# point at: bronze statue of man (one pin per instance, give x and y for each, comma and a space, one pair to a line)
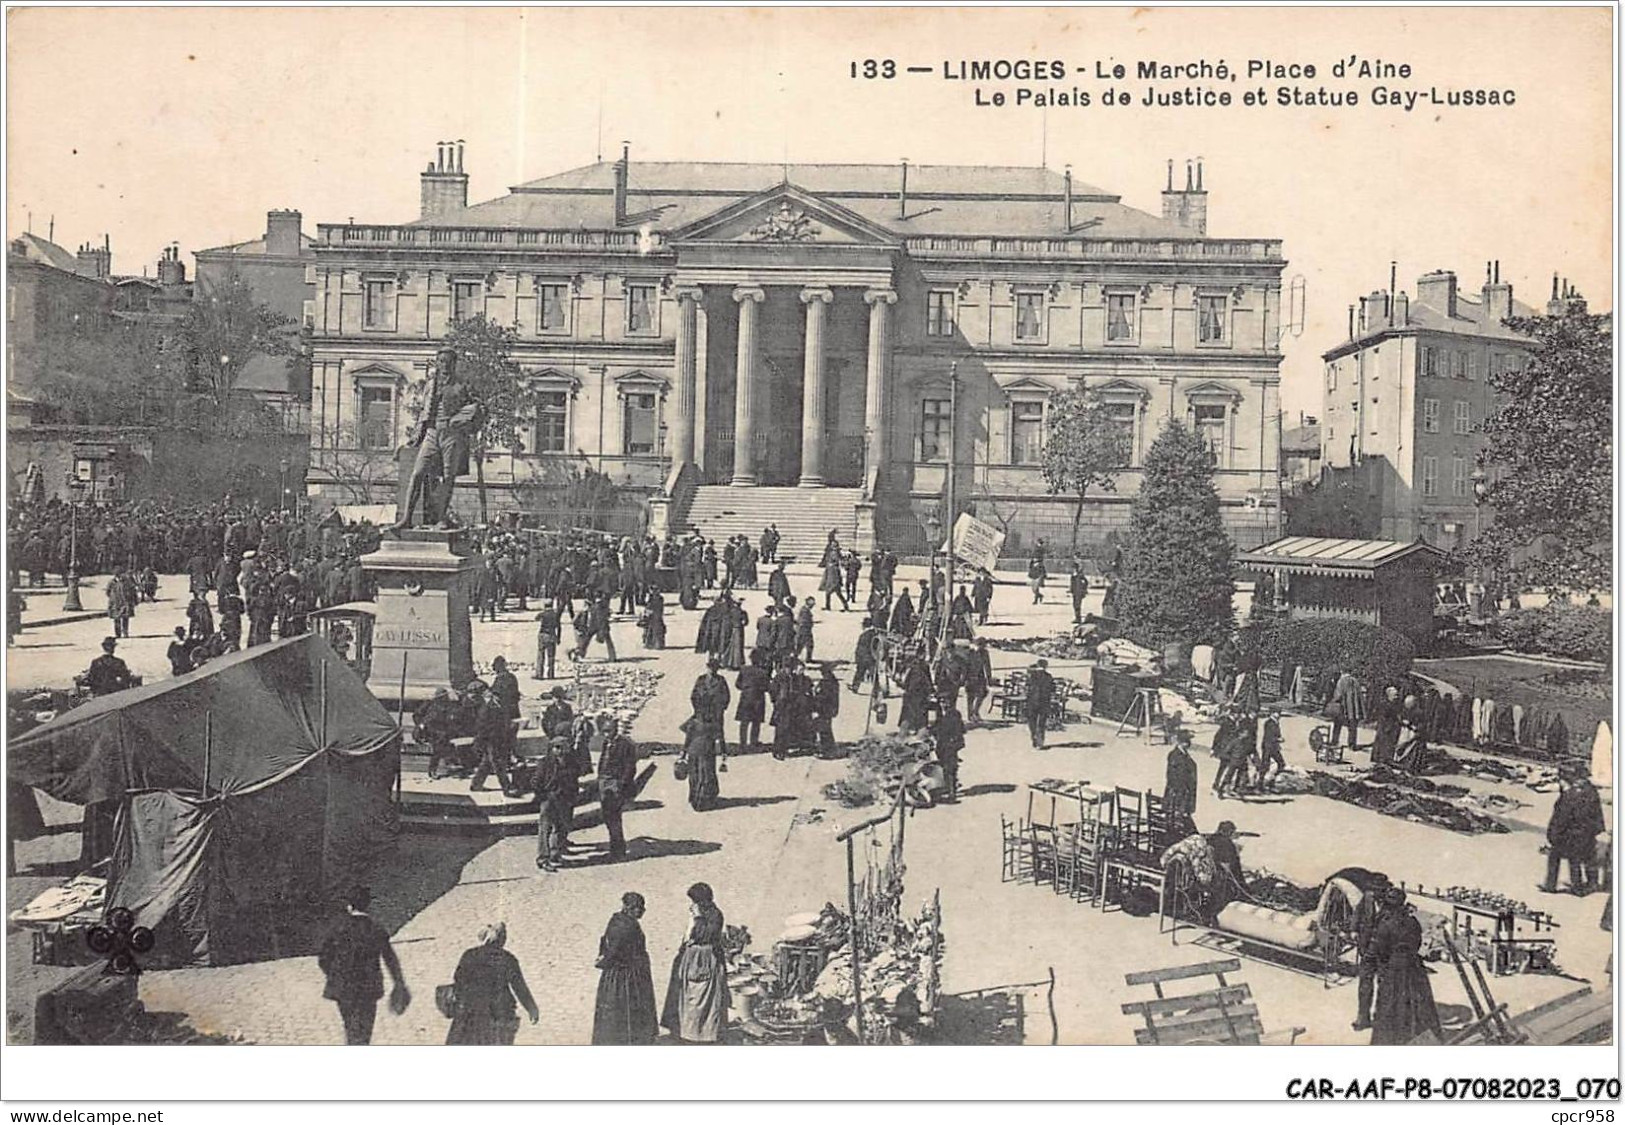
450, 420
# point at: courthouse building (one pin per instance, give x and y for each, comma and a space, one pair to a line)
767, 341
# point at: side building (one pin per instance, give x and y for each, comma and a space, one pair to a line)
721, 332
1406, 396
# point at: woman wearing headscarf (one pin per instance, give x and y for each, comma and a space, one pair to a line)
696, 1009
625, 1013
487, 984
1404, 1008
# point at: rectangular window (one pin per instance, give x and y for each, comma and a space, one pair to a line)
1458, 476
1429, 359
378, 304
640, 310
1026, 433
1029, 316
1430, 476
1209, 320
552, 308
1430, 415
1464, 419
939, 312
1124, 416
552, 421
1120, 316
467, 299
1211, 425
934, 423
1458, 365
377, 418
1472, 365
640, 428
1331, 376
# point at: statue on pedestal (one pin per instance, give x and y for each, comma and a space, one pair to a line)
451, 418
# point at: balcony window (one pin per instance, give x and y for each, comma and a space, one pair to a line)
935, 421
1120, 317
378, 304
467, 299
552, 308
640, 428
939, 312
1030, 317
640, 310
1026, 433
377, 413
1209, 320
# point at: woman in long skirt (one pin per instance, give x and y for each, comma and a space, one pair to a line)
626, 989
696, 1009
487, 984
1404, 1006
701, 754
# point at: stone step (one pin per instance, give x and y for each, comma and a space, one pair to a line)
804, 516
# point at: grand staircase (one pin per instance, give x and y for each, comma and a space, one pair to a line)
805, 516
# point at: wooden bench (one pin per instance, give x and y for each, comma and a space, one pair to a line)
1223, 1015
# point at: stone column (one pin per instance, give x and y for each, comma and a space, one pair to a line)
874, 424
745, 388
812, 389
682, 423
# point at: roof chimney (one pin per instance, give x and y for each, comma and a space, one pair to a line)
171, 270
1437, 290
902, 193
622, 168
1402, 309
282, 233
95, 261
444, 187
1497, 297
1188, 208
1068, 180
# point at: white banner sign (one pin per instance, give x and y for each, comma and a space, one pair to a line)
977, 543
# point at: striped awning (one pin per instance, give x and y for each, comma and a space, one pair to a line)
1342, 558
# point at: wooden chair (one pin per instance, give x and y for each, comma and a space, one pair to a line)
1223, 1015
1157, 824
1016, 854
1068, 851
1041, 851
1087, 861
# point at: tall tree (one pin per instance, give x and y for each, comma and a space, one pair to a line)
225, 329
1177, 582
1549, 457
1083, 448
485, 364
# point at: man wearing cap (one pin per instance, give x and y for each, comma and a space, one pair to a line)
1179, 788
491, 730
1040, 692
547, 643
432, 726
978, 679
559, 717
617, 772
1229, 882
948, 737
107, 673
804, 632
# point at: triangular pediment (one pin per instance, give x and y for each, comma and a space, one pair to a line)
786, 215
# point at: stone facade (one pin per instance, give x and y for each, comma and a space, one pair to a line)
665, 310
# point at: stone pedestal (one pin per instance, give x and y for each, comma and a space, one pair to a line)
424, 585
866, 519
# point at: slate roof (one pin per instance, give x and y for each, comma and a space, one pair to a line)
942, 199
257, 246
37, 249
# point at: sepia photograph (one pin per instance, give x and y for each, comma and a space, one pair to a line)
564, 527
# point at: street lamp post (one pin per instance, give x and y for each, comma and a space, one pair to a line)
953, 457
1480, 481
71, 603
282, 485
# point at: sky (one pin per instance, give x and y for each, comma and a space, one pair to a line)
186, 125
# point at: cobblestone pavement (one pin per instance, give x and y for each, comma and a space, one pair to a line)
771, 851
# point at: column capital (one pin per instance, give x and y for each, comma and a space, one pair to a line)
750, 293
817, 293
880, 296
689, 293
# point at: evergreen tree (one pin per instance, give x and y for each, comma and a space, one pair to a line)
1177, 583
1550, 458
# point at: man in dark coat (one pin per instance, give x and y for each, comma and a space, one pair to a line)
350, 959
1040, 693
492, 740
1078, 585
1229, 882
107, 673
547, 643
1179, 790
505, 687
826, 705
1572, 833
559, 717
180, 653
555, 785
917, 689
617, 772
434, 725
978, 679
1404, 1007
902, 615
1389, 717
948, 737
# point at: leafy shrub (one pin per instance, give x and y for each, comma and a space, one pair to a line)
1374, 654
1576, 632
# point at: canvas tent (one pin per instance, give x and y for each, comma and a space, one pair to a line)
250, 792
